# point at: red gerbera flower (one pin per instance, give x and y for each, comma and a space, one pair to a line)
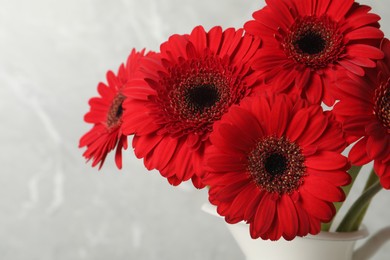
184, 90
106, 115
364, 110
275, 162
305, 41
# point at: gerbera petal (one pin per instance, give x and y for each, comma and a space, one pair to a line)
339, 178
363, 50
303, 220
297, 125
358, 154
198, 38
321, 7
166, 149
232, 37
382, 169
223, 164
338, 9
175, 47
118, 153
229, 192
303, 78
265, 214
145, 144
280, 114
314, 129
246, 123
304, 7
326, 160
364, 33
239, 204
362, 61
360, 20
214, 38
280, 7
316, 207
288, 218
106, 114
314, 92
376, 148
263, 18
352, 67
327, 192
355, 125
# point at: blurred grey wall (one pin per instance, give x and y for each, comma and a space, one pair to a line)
55, 206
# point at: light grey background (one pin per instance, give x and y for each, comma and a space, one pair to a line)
53, 205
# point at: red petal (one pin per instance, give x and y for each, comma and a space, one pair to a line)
358, 154
338, 178
314, 90
280, 116
145, 144
314, 129
283, 12
303, 78
288, 218
228, 193
303, 221
297, 125
364, 33
198, 38
316, 207
357, 21
228, 36
338, 9
376, 147
265, 214
364, 50
326, 160
352, 67
239, 204
322, 189
163, 152
214, 38
361, 61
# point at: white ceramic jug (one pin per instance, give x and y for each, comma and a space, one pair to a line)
324, 246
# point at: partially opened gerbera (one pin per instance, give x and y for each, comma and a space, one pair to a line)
364, 109
106, 115
240, 111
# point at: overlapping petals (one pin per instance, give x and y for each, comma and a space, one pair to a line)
106, 115
306, 41
271, 164
364, 110
182, 91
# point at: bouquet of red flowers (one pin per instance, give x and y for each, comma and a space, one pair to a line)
242, 112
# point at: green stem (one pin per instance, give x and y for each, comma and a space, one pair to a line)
353, 172
372, 179
358, 209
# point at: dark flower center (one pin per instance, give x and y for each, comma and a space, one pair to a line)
201, 97
196, 93
119, 111
313, 41
382, 104
277, 165
115, 112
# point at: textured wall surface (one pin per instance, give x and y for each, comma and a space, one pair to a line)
53, 205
